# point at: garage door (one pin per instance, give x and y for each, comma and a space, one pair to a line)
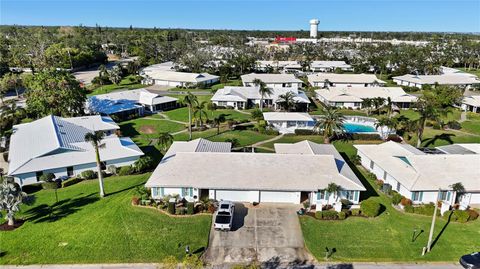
279, 197
237, 196
161, 82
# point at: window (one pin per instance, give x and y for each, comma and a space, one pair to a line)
357, 104
154, 191
321, 195
398, 186
38, 175
70, 171
444, 196
417, 196
349, 195
187, 192
372, 164
222, 103
338, 104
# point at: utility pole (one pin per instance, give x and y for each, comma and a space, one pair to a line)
430, 236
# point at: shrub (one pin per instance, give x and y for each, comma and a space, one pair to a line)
355, 212
257, 114
363, 136
135, 200
394, 138
408, 208
329, 215
180, 210
31, 188
427, 209
455, 125
125, 170
396, 198
461, 215
47, 177
371, 176
436, 126
88, 174
304, 132
171, 208
143, 164
318, 214
190, 208
342, 215
370, 208
112, 169
50, 185
473, 215
405, 201
379, 183
71, 181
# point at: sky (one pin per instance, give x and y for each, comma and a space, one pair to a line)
337, 15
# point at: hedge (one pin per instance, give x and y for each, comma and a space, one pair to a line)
396, 198
71, 181
356, 212
363, 136
88, 174
171, 208
126, 170
326, 215
461, 215
190, 208
50, 185
370, 208
305, 132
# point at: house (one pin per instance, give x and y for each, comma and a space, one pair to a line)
422, 177
288, 122
451, 79
344, 80
352, 97
130, 102
315, 66
330, 66
57, 145
471, 103
283, 177
273, 80
177, 79
247, 97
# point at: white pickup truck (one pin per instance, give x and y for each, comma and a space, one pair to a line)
224, 216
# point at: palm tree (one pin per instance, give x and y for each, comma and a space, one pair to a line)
330, 123
115, 75
212, 107
103, 72
457, 188
381, 122
428, 110
165, 139
334, 189
199, 112
388, 107
378, 102
287, 101
218, 120
367, 103
263, 90
11, 197
95, 139
189, 100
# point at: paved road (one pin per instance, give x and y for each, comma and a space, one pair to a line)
265, 233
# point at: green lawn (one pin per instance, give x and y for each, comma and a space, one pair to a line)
244, 137
124, 84
471, 71
85, 229
389, 82
181, 114
387, 238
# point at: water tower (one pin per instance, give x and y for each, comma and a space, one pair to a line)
314, 27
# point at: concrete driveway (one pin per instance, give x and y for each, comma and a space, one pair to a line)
267, 233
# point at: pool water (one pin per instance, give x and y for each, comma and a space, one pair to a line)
358, 128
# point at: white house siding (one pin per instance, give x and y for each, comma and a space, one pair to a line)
475, 199
123, 161
279, 197
25, 179
236, 195
159, 192
323, 198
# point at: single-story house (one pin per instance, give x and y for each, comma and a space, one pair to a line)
344, 80
288, 122
461, 148
315, 66
246, 97
352, 97
273, 80
471, 103
251, 177
178, 79
452, 79
422, 177
57, 145
329, 66
129, 102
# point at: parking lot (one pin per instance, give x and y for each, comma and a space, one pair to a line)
267, 233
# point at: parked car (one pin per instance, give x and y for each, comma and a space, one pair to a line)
224, 216
471, 261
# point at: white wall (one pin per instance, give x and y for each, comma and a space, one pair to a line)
330, 199
236, 196
123, 161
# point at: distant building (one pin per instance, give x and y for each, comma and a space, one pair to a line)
352, 97
315, 66
130, 102
247, 97
471, 103
57, 145
273, 80
288, 122
164, 75
452, 79
344, 80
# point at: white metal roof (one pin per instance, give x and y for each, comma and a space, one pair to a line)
250, 171
271, 78
424, 172
446, 79
357, 94
344, 78
462, 148
180, 76
287, 116
197, 145
242, 94
53, 142
473, 100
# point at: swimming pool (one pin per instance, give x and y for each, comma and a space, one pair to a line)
358, 128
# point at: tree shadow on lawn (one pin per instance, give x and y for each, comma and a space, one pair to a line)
128, 129
370, 192
443, 137
59, 210
153, 152
125, 189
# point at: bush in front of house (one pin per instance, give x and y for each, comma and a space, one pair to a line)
426, 209
305, 132
408, 208
180, 210
143, 164
190, 208
370, 208
135, 200
405, 201
461, 215
455, 125
342, 215
396, 198
71, 181
112, 169
126, 170
171, 208
371, 176
88, 174
326, 215
356, 212
47, 177
363, 136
